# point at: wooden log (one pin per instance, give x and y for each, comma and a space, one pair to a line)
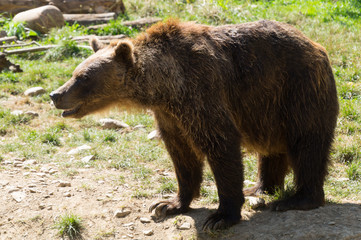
139, 23
104, 39
88, 19
37, 49
7, 39
32, 49
19, 45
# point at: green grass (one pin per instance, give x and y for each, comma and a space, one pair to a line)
69, 225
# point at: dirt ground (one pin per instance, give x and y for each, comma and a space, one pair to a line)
41, 199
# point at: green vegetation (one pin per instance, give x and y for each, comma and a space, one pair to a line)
69, 225
334, 24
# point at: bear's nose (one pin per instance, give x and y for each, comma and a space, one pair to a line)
54, 96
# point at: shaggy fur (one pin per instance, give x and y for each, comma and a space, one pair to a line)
261, 85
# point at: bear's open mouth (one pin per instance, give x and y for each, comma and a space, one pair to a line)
70, 112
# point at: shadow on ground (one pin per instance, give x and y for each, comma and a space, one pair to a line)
333, 221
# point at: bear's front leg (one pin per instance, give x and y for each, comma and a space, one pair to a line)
220, 140
228, 172
188, 167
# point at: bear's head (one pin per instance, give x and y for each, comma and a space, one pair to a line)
98, 82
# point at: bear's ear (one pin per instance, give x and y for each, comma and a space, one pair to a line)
124, 51
95, 44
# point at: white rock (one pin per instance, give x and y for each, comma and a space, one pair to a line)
185, 226
18, 196
153, 135
87, 158
35, 91
17, 112
3, 183
52, 171
128, 224
148, 232
121, 213
79, 149
67, 194
30, 162
256, 202
12, 189
144, 220
109, 123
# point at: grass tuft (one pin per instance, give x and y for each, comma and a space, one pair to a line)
69, 225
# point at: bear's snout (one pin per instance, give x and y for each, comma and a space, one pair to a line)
55, 96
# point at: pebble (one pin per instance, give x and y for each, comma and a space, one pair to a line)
87, 158
121, 213
144, 220
148, 232
331, 223
153, 135
64, 184
52, 171
18, 196
17, 112
30, 162
67, 194
109, 123
26, 174
79, 149
32, 190
185, 226
12, 189
35, 91
256, 202
41, 174
41, 206
128, 224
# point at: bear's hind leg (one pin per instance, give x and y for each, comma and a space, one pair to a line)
309, 157
272, 170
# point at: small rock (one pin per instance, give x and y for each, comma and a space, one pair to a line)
109, 123
50, 208
30, 162
25, 174
185, 226
67, 194
248, 182
52, 171
121, 213
31, 185
108, 195
3, 183
144, 220
64, 184
256, 202
79, 149
87, 158
41, 175
331, 223
42, 206
153, 135
32, 114
32, 190
17, 112
18, 196
35, 91
148, 232
128, 224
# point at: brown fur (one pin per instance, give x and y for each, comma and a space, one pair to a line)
262, 85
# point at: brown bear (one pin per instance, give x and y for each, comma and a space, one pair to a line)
261, 85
